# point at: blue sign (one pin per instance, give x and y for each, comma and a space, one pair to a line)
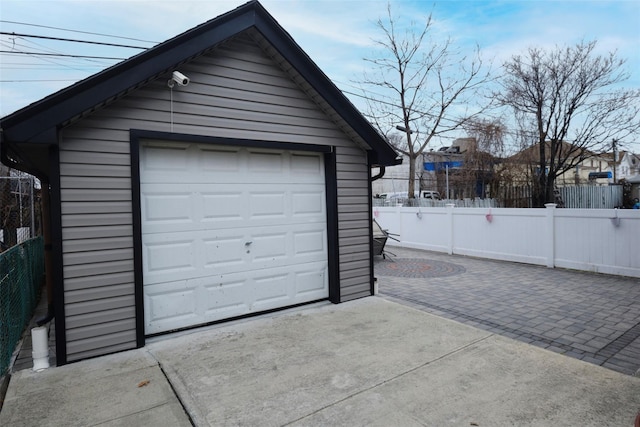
596, 175
440, 166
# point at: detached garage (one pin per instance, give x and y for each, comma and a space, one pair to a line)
174, 206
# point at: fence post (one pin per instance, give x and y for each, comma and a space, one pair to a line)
400, 223
550, 234
450, 207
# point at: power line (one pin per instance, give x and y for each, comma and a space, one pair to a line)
78, 31
61, 55
38, 81
370, 98
71, 40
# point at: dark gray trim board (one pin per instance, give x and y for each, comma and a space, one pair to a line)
333, 247
55, 209
137, 236
137, 136
371, 179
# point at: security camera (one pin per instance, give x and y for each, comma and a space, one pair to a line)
179, 78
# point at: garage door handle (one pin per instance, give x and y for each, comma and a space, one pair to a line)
248, 243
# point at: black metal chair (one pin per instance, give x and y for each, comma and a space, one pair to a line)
380, 237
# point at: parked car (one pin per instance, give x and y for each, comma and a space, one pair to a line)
423, 194
430, 194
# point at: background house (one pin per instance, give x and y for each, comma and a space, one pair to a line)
587, 167
628, 167
454, 170
175, 205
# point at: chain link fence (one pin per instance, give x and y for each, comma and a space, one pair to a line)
21, 275
19, 208
21, 257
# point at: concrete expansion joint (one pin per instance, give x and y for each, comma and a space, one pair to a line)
173, 388
395, 377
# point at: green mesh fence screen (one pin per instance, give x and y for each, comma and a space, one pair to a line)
21, 273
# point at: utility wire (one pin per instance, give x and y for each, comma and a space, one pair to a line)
392, 104
38, 81
70, 40
78, 31
61, 55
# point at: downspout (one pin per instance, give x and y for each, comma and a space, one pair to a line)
48, 248
379, 175
374, 280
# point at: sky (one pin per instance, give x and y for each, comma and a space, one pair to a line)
336, 34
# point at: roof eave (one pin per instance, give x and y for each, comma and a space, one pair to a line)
385, 155
40, 117
37, 122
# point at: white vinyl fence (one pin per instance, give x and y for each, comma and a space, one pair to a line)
598, 240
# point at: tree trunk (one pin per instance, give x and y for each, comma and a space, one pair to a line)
549, 196
412, 174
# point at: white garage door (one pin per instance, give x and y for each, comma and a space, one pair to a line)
228, 231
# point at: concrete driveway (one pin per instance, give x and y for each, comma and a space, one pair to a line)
369, 362
587, 316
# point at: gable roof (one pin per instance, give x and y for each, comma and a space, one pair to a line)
567, 150
37, 124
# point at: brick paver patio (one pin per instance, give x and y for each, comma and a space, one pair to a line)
592, 317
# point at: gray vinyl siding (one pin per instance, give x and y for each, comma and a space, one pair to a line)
236, 91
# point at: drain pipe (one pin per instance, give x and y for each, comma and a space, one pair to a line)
40, 343
379, 175
48, 255
373, 178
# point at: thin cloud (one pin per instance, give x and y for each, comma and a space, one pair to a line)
337, 35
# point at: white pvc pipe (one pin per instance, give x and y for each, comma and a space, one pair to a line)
40, 353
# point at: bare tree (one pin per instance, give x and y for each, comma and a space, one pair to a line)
488, 134
432, 86
568, 103
482, 161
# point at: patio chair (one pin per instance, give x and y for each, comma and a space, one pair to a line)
380, 237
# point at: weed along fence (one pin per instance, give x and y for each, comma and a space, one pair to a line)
598, 240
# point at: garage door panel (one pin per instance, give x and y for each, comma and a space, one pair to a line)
168, 256
268, 246
311, 284
193, 254
228, 231
163, 160
171, 300
180, 304
169, 206
271, 290
308, 203
223, 206
306, 166
225, 251
259, 221
266, 163
299, 283
267, 205
309, 242
218, 160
